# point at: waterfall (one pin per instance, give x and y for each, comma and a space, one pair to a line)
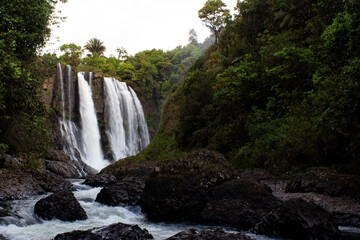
92, 153
69, 130
126, 129
126, 126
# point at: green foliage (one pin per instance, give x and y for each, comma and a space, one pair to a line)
94, 45
33, 161
72, 54
280, 90
24, 28
215, 16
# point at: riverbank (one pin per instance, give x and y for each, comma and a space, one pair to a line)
19, 182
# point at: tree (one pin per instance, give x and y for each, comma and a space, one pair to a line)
24, 28
72, 54
122, 53
215, 16
94, 45
193, 38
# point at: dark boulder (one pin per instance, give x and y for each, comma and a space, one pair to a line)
346, 219
100, 180
18, 182
123, 193
62, 205
326, 182
178, 188
112, 232
173, 197
239, 203
51, 182
192, 234
2, 237
63, 169
298, 219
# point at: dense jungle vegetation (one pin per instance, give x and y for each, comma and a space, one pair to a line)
24, 28
277, 89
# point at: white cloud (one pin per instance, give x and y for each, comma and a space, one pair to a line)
136, 25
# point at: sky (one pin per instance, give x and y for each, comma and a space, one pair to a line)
136, 25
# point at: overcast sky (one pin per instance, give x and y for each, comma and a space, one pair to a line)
136, 25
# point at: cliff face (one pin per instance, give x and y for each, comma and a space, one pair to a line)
97, 88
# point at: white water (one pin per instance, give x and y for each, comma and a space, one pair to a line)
69, 131
92, 153
126, 126
29, 227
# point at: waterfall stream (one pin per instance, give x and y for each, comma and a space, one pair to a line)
126, 127
92, 154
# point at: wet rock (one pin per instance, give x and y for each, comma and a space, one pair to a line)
2, 237
61, 205
112, 232
123, 193
123, 185
178, 188
63, 169
192, 234
51, 182
297, 219
18, 184
239, 203
100, 180
346, 219
58, 155
326, 182
173, 197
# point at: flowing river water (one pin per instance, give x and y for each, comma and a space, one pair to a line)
25, 225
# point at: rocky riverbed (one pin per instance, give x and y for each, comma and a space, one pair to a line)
203, 188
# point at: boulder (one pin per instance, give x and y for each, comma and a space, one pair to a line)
51, 182
192, 234
112, 232
178, 188
239, 203
346, 219
100, 180
326, 182
2, 237
62, 205
298, 219
123, 193
18, 184
123, 185
63, 169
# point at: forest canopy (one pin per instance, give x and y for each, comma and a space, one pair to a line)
280, 89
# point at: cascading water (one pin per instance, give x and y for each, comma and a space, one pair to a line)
69, 130
126, 126
92, 153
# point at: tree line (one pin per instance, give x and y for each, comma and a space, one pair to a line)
279, 88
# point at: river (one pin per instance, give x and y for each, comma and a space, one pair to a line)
25, 225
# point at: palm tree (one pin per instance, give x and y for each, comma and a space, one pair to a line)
94, 45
